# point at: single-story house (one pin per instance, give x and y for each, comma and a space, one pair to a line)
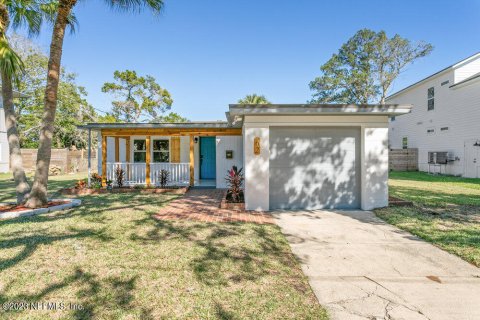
295, 156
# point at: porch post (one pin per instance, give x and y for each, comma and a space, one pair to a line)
127, 149
104, 160
147, 161
192, 176
117, 149
89, 155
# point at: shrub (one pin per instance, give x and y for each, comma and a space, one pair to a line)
162, 177
234, 181
120, 176
81, 184
95, 177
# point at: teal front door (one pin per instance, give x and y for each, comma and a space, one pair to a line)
207, 158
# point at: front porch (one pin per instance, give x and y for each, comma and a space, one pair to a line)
188, 152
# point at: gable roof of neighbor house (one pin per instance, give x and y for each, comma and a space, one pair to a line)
450, 67
237, 111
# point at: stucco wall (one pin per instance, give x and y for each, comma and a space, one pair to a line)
373, 155
224, 143
374, 164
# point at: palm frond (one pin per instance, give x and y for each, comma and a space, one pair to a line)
10, 62
26, 13
136, 5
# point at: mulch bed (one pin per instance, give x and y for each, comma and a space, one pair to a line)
82, 192
15, 207
397, 202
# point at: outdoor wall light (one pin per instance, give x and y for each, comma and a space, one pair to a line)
195, 139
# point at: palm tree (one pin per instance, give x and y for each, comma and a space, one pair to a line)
254, 99
26, 13
38, 194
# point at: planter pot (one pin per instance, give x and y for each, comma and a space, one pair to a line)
225, 204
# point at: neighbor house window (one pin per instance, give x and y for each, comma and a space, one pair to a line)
139, 151
404, 142
431, 98
161, 151
392, 118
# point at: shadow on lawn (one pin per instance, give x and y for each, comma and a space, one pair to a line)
91, 291
226, 256
228, 253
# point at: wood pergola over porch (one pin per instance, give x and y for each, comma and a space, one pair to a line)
180, 173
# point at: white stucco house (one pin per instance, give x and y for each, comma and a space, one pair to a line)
445, 118
294, 156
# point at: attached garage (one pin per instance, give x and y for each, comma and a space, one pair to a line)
315, 156
314, 168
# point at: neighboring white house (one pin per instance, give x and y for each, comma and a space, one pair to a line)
294, 156
4, 150
445, 118
4, 154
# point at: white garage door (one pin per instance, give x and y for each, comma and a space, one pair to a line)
314, 167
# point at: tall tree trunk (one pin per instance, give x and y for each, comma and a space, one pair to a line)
22, 187
38, 195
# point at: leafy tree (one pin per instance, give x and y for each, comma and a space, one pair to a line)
73, 109
172, 117
365, 67
141, 97
25, 13
254, 99
63, 18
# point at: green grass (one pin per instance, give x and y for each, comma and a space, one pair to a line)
115, 260
446, 211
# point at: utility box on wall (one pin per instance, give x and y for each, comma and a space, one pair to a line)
229, 154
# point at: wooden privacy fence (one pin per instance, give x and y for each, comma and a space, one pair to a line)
403, 159
66, 160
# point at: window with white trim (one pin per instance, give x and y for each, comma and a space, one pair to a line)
404, 142
161, 150
139, 150
431, 98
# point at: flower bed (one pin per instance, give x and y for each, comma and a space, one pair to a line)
86, 191
12, 210
227, 203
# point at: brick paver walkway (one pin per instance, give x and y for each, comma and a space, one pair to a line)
203, 205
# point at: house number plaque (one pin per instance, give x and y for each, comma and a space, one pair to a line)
256, 146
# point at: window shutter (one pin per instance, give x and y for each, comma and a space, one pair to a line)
175, 147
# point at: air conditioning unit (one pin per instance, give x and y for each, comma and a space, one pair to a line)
440, 157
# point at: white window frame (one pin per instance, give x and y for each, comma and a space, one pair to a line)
139, 151
167, 151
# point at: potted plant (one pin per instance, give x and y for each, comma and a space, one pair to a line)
234, 198
109, 184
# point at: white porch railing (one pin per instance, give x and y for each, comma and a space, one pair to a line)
135, 173
179, 173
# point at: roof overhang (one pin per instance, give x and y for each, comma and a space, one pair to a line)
238, 111
140, 126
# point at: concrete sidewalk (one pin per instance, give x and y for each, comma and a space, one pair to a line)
363, 268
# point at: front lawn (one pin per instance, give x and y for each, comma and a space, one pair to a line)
446, 211
111, 257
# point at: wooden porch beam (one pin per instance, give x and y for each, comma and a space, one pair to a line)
147, 161
104, 160
173, 132
127, 149
192, 161
117, 149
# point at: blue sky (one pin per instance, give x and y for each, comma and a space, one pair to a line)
211, 53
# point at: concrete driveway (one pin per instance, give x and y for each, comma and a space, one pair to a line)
363, 268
